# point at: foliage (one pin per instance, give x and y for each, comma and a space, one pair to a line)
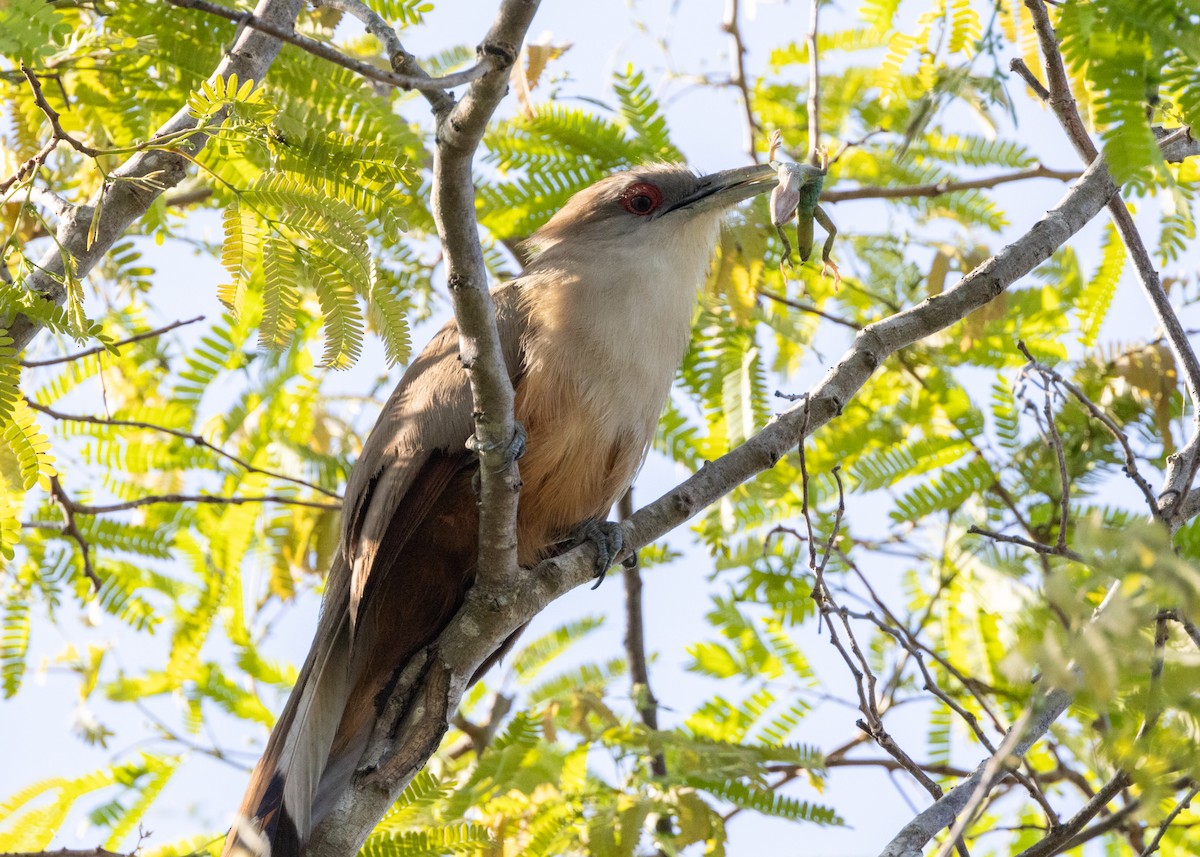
317, 184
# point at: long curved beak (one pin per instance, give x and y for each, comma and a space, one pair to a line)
727, 188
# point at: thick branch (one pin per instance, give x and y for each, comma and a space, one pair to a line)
427, 691
135, 185
453, 203
910, 841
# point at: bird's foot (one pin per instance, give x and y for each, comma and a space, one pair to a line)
606, 537
514, 451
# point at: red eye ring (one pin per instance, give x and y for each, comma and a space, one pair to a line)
641, 199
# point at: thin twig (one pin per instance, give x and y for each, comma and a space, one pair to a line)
1023, 71
1183, 804
59, 133
67, 852
1048, 550
70, 528
1181, 468
814, 88
991, 772
635, 652
149, 334
1053, 842
325, 52
1057, 445
737, 75
194, 439
1188, 626
1131, 469
215, 499
809, 308
1154, 695
946, 186
401, 61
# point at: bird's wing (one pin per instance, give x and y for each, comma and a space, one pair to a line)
417, 445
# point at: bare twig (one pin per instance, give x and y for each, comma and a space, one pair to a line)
194, 439
481, 734
214, 499
992, 770
814, 87
635, 652
1131, 468
59, 134
1053, 843
1017, 65
1056, 444
67, 852
737, 75
149, 334
946, 186
1184, 803
69, 528
1154, 696
1188, 626
809, 308
1048, 550
325, 52
851, 652
402, 62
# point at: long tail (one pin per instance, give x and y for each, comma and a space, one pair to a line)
275, 816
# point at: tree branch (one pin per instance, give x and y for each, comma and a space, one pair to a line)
943, 187
182, 435
737, 74
814, 87
149, 334
415, 716
1181, 467
428, 690
136, 184
635, 653
69, 528
333, 55
215, 499
402, 62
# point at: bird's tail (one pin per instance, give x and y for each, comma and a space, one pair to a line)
276, 814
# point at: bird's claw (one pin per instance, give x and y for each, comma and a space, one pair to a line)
512, 453
608, 539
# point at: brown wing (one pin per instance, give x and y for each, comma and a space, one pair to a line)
414, 463
398, 477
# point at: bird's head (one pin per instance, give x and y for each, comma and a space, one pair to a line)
660, 208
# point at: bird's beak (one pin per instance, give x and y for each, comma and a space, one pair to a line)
726, 188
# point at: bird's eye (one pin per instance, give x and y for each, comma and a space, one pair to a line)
641, 199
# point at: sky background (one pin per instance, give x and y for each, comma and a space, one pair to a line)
707, 125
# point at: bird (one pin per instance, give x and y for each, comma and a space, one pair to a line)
592, 333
